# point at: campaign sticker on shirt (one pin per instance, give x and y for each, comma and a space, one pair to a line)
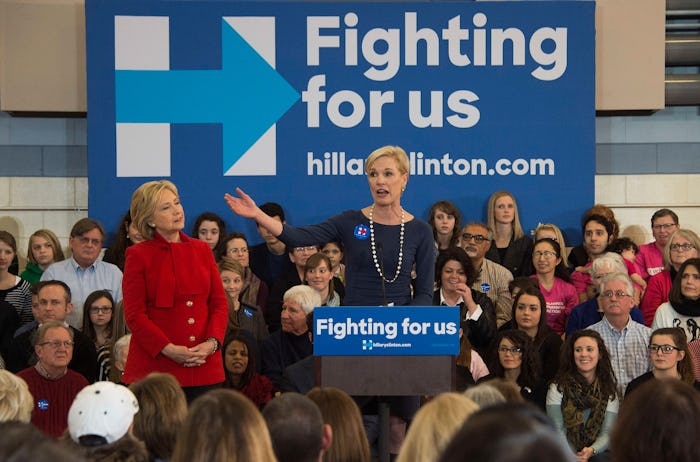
248, 312
361, 232
485, 286
42, 404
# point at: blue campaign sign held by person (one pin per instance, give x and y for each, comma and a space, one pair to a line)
285, 100
386, 331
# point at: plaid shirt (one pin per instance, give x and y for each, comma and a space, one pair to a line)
628, 350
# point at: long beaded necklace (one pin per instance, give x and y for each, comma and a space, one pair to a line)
374, 249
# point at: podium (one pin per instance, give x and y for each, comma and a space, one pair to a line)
425, 338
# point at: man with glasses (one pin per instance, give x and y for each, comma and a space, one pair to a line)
52, 384
650, 256
625, 339
590, 312
53, 305
492, 278
83, 272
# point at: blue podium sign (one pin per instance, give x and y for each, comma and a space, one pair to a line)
386, 331
286, 100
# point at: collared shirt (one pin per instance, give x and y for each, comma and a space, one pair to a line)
473, 317
493, 280
628, 350
82, 282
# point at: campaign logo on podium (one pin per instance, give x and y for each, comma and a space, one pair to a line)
386, 331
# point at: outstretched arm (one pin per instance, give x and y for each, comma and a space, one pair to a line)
245, 206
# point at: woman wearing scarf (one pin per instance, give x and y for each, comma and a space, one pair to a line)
583, 401
683, 306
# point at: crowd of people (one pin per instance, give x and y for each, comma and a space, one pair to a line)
200, 347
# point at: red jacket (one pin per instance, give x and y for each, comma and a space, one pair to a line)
172, 294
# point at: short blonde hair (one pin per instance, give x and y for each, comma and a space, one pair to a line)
228, 264
394, 152
434, 426
682, 232
143, 204
55, 244
16, 402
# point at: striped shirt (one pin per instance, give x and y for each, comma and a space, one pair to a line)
628, 350
20, 297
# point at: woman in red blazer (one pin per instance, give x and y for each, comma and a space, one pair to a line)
174, 301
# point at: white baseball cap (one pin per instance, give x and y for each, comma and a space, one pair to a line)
104, 411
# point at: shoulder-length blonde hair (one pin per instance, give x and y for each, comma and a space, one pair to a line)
16, 402
53, 240
434, 426
223, 426
342, 414
517, 228
686, 233
143, 204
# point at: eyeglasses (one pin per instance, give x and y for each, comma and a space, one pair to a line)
478, 238
241, 251
86, 240
617, 293
681, 247
665, 226
667, 349
546, 254
308, 248
100, 309
515, 351
58, 343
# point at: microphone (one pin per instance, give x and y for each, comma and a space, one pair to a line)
381, 268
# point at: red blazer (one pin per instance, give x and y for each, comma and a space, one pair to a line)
172, 294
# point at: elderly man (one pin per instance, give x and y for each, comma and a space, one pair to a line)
292, 343
53, 304
625, 339
83, 272
650, 257
296, 429
590, 311
492, 278
50, 382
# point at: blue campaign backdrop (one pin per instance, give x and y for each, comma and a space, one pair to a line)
286, 99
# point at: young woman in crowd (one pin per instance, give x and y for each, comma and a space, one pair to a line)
223, 426
210, 228
162, 411
454, 274
683, 306
43, 250
241, 315
103, 324
255, 291
670, 359
13, 289
516, 360
553, 280
510, 247
528, 316
239, 361
550, 231
126, 236
334, 252
319, 276
446, 221
582, 401
682, 245
338, 410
